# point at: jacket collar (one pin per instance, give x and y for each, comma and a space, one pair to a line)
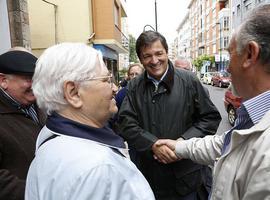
168, 80
6, 107
65, 126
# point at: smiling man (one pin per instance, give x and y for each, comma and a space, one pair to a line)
165, 103
20, 121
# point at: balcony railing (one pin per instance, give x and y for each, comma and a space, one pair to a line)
122, 38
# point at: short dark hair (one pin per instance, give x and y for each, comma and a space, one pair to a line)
147, 38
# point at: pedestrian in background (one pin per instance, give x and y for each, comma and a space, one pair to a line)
133, 71
20, 121
241, 156
165, 103
182, 63
78, 157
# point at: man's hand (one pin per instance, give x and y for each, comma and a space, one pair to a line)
163, 153
169, 143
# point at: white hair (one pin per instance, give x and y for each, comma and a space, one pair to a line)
59, 63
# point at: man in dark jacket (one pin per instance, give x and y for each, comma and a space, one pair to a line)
165, 102
20, 121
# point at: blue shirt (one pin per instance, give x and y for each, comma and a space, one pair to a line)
249, 114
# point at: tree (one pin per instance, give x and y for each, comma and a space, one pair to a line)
132, 50
198, 62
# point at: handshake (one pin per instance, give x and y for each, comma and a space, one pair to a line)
164, 150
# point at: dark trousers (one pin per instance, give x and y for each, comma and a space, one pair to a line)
191, 196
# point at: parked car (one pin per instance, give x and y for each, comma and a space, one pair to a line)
207, 77
231, 103
221, 79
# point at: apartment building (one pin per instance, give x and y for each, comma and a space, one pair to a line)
183, 38
208, 26
205, 30
240, 8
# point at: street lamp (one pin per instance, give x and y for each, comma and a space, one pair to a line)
156, 14
220, 43
147, 25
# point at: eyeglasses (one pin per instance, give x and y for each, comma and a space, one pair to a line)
108, 79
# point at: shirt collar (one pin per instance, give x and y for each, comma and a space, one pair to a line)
155, 81
258, 106
65, 126
167, 78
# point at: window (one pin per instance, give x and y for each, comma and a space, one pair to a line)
226, 23
238, 11
248, 6
116, 15
214, 32
214, 48
225, 42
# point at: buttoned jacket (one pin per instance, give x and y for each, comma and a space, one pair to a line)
178, 107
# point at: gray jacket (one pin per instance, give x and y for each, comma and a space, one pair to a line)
242, 172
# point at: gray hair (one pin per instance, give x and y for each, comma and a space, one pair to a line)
256, 28
59, 63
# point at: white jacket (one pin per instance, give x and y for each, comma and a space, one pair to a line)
70, 168
243, 172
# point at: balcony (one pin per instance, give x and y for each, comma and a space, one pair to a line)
107, 25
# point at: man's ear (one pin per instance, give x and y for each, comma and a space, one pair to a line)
71, 94
3, 81
251, 54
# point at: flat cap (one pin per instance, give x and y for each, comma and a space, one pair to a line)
17, 62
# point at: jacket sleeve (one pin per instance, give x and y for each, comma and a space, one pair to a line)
128, 126
201, 150
11, 187
206, 117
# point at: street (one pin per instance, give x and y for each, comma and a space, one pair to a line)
217, 96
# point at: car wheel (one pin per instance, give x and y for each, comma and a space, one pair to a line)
231, 115
220, 84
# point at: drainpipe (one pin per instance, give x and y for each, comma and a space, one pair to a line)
55, 21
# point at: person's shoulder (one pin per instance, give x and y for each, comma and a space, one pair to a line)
136, 82
186, 76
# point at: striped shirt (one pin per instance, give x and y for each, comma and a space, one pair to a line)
29, 110
249, 114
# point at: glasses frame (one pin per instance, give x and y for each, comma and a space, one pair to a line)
109, 77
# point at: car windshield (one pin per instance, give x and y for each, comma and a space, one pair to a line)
224, 74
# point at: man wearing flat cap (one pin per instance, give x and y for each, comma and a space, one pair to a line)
20, 121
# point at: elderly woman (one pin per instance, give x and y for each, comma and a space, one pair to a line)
77, 156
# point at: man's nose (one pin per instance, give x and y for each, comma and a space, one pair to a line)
114, 88
154, 60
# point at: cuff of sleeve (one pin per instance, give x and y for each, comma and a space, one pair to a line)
181, 149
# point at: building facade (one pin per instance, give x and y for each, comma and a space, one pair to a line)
183, 38
205, 31
95, 22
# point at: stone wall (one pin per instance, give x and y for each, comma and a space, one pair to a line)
19, 23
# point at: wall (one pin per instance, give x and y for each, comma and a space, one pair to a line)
4, 28
73, 22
